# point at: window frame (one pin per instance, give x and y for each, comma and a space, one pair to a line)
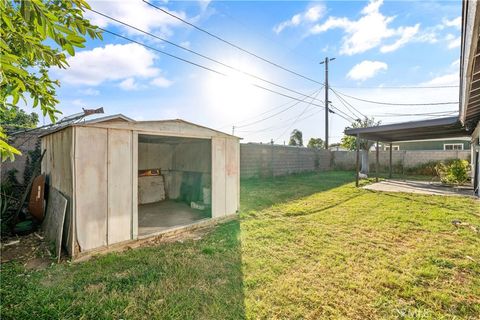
453, 146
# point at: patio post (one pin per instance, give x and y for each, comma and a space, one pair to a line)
376, 164
357, 166
390, 163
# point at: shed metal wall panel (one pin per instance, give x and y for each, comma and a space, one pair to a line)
91, 193
218, 177
119, 185
57, 166
232, 174
134, 185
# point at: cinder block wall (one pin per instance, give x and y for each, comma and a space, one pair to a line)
345, 160
264, 160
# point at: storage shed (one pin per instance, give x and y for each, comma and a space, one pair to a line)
126, 180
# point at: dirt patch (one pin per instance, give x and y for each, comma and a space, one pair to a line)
30, 250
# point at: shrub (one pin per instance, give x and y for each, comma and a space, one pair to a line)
453, 171
425, 169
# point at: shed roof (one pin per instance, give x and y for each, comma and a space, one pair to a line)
414, 130
172, 127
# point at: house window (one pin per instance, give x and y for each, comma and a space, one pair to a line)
453, 146
394, 147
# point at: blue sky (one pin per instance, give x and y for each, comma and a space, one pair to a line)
377, 45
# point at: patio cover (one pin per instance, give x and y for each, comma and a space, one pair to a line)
414, 130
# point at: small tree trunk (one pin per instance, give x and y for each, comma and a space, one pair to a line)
365, 165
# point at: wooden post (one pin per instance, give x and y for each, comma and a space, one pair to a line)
357, 166
390, 163
376, 164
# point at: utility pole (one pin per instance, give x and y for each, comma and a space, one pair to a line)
327, 109
233, 130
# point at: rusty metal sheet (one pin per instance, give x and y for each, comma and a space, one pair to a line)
37, 202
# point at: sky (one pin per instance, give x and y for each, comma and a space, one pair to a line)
383, 50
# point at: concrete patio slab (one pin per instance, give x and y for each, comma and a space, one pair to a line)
420, 187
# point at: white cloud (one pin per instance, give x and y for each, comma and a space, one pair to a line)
112, 62
136, 13
89, 92
311, 14
369, 31
452, 41
78, 103
455, 23
366, 69
406, 35
451, 79
128, 84
161, 82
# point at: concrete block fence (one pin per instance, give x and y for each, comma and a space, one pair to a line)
265, 160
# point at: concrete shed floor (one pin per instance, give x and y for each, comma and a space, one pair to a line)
420, 187
163, 215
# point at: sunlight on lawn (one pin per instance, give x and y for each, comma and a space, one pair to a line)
307, 246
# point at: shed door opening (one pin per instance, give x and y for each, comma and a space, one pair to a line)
174, 182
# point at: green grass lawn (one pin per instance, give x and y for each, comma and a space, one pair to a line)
306, 247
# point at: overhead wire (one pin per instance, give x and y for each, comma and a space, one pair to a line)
196, 53
198, 65
401, 87
281, 111
297, 119
261, 114
348, 105
396, 104
231, 44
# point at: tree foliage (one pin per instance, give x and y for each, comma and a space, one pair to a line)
36, 35
350, 142
316, 143
296, 138
14, 118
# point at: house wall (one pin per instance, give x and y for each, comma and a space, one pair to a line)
429, 144
57, 165
475, 154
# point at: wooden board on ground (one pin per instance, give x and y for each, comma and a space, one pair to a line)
54, 219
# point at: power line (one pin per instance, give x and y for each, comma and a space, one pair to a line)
279, 126
199, 65
397, 104
401, 87
197, 53
281, 111
346, 104
342, 114
231, 44
295, 121
261, 114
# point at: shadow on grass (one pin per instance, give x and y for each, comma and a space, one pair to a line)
199, 279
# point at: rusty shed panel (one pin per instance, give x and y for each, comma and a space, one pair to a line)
57, 165
218, 177
119, 185
91, 145
232, 176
